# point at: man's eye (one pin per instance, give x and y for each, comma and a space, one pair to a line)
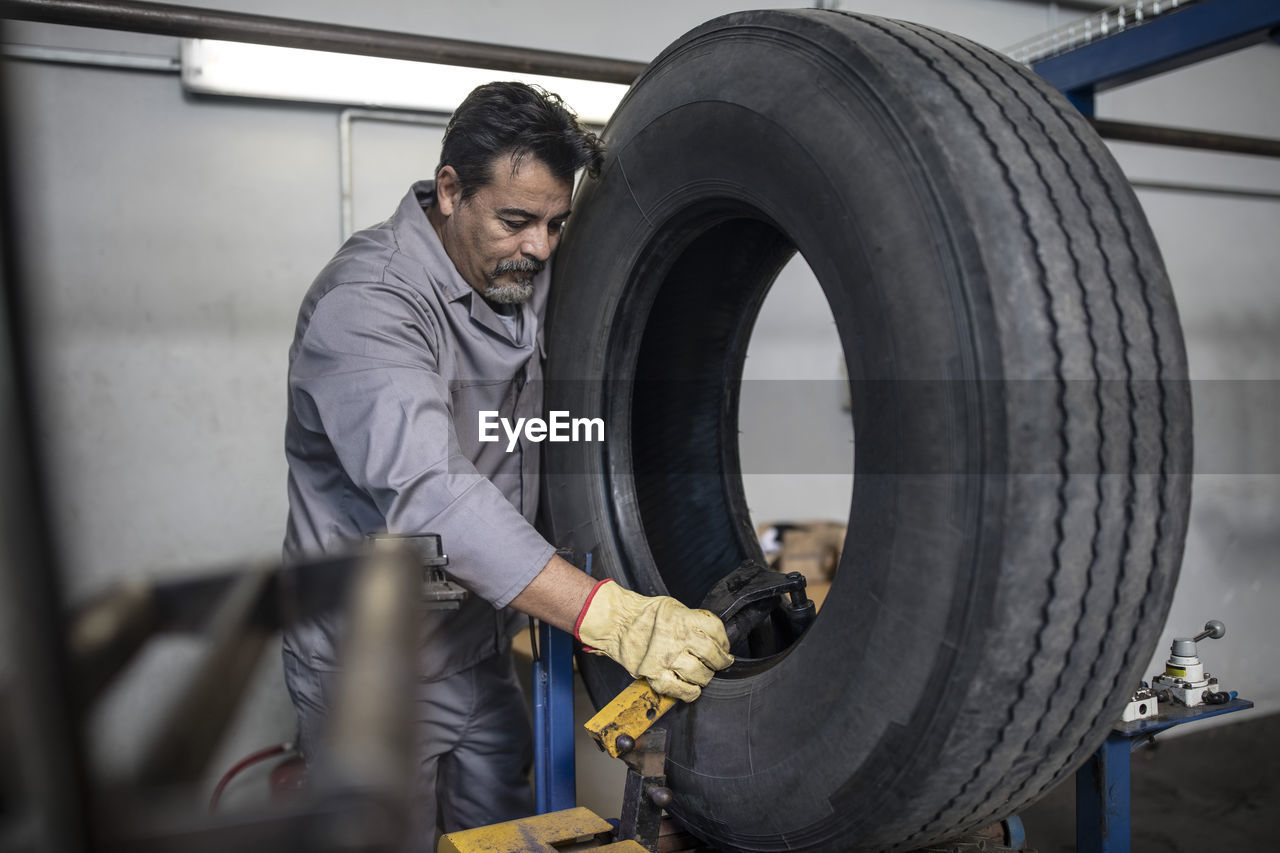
513, 224
555, 227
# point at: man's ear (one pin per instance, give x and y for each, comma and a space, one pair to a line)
448, 190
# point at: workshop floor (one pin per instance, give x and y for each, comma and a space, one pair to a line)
1209, 790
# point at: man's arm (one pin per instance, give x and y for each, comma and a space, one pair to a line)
556, 595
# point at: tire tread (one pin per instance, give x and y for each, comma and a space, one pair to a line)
984, 795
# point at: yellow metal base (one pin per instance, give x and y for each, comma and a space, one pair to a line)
566, 831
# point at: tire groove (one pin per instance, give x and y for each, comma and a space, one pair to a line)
973, 811
990, 60
1127, 502
1063, 438
1161, 490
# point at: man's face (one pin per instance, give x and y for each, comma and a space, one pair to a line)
504, 234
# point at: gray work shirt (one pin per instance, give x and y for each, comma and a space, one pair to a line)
393, 358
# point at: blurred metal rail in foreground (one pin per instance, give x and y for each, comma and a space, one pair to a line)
358, 798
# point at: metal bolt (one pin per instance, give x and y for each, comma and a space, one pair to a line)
624, 744
659, 796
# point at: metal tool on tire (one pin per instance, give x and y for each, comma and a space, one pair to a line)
743, 599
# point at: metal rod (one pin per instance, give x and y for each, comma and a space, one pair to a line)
1155, 134
92, 58
105, 635
279, 827
188, 605
188, 22
237, 633
49, 765
1206, 189
369, 736
346, 178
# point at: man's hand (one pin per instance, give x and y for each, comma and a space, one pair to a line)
657, 638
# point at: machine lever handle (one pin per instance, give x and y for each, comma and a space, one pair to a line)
1214, 629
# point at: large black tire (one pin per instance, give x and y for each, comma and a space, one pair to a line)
1021, 418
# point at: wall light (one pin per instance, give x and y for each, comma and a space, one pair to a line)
262, 71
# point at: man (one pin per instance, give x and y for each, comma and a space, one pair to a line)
415, 326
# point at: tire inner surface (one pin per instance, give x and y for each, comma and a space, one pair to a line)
683, 423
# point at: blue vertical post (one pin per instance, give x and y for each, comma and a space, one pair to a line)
1102, 798
555, 784
540, 768
556, 789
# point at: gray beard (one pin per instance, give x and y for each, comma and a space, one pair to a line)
509, 294
520, 290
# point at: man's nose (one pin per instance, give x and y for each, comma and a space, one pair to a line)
536, 244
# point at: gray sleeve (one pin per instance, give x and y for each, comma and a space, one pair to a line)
364, 375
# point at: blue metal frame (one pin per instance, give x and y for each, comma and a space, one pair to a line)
554, 774
1197, 32
1102, 783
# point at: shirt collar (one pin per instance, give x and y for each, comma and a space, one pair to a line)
419, 240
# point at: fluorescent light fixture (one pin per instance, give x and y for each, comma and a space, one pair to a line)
286, 73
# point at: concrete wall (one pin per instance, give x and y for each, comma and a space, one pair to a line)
170, 238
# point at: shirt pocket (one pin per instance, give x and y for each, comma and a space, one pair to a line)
468, 400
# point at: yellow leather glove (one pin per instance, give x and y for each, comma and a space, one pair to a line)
657, 638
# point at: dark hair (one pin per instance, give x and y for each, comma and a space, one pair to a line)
499, 119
